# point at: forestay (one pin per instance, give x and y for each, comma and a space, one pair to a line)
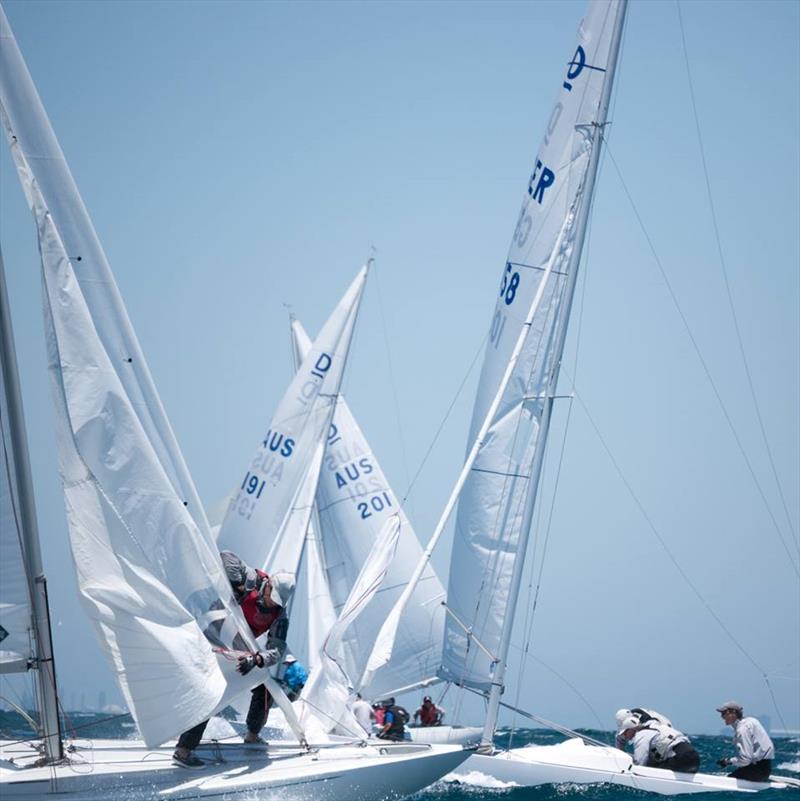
354, 501
267, 519
492, 503
148, 570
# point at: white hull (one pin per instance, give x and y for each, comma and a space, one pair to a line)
445, 735
576, 762
116, 769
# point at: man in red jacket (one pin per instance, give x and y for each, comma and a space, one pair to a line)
263, 599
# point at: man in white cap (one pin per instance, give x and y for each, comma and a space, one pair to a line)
658, 745
643, 716
294, 677
754, 749
263, 599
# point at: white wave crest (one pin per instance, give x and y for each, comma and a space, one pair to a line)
475, 778
794, 767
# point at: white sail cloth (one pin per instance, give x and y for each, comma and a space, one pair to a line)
491, 505
148, 571
16, 636
354, 500
267, 519
327, 695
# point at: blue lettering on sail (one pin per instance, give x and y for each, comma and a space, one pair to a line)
542, 177
576, 67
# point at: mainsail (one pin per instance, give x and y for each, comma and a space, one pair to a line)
267, 519
354, 501
539, 273
148, 570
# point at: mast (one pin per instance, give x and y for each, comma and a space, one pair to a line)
580, 232
32, 557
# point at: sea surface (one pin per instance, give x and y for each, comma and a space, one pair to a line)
711, 748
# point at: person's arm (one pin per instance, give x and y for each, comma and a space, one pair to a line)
641, 747
388, 719
440, 715
417, 715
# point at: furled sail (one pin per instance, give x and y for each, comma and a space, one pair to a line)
148, 570
354, 501
267, 519
535, 291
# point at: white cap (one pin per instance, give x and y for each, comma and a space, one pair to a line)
630, 722
288, 659
282, 587
620, 715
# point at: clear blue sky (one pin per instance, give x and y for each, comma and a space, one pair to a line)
236, 157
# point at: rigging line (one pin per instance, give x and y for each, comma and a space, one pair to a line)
478, 352
702, 361
728, 292
669, 553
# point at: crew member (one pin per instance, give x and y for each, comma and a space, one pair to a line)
263, 599
429, 714
754, 749
658, 745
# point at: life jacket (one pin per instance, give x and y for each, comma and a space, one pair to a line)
397, 729
662, 746
258, 621
428, 715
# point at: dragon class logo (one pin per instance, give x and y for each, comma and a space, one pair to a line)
577, 66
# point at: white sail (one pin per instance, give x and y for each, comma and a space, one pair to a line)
321, 614
354, 500
148, 571
267, 519
16, 632
492, 505
330, 689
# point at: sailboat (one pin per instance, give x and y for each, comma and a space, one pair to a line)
148, 569
496, 490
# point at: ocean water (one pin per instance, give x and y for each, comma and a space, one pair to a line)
711, 748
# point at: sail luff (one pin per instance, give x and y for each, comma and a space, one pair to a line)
584, 198
29, 533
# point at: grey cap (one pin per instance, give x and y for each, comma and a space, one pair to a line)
238, 572
734, 705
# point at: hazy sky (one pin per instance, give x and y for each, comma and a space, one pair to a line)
238, 157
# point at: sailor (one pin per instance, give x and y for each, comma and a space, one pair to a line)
394, 721
263, 599
643, 716
754, 749
658, 745
429, 714
294, 678
363, 713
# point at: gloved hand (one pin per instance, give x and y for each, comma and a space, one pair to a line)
247, 663
724, 762
270, 657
